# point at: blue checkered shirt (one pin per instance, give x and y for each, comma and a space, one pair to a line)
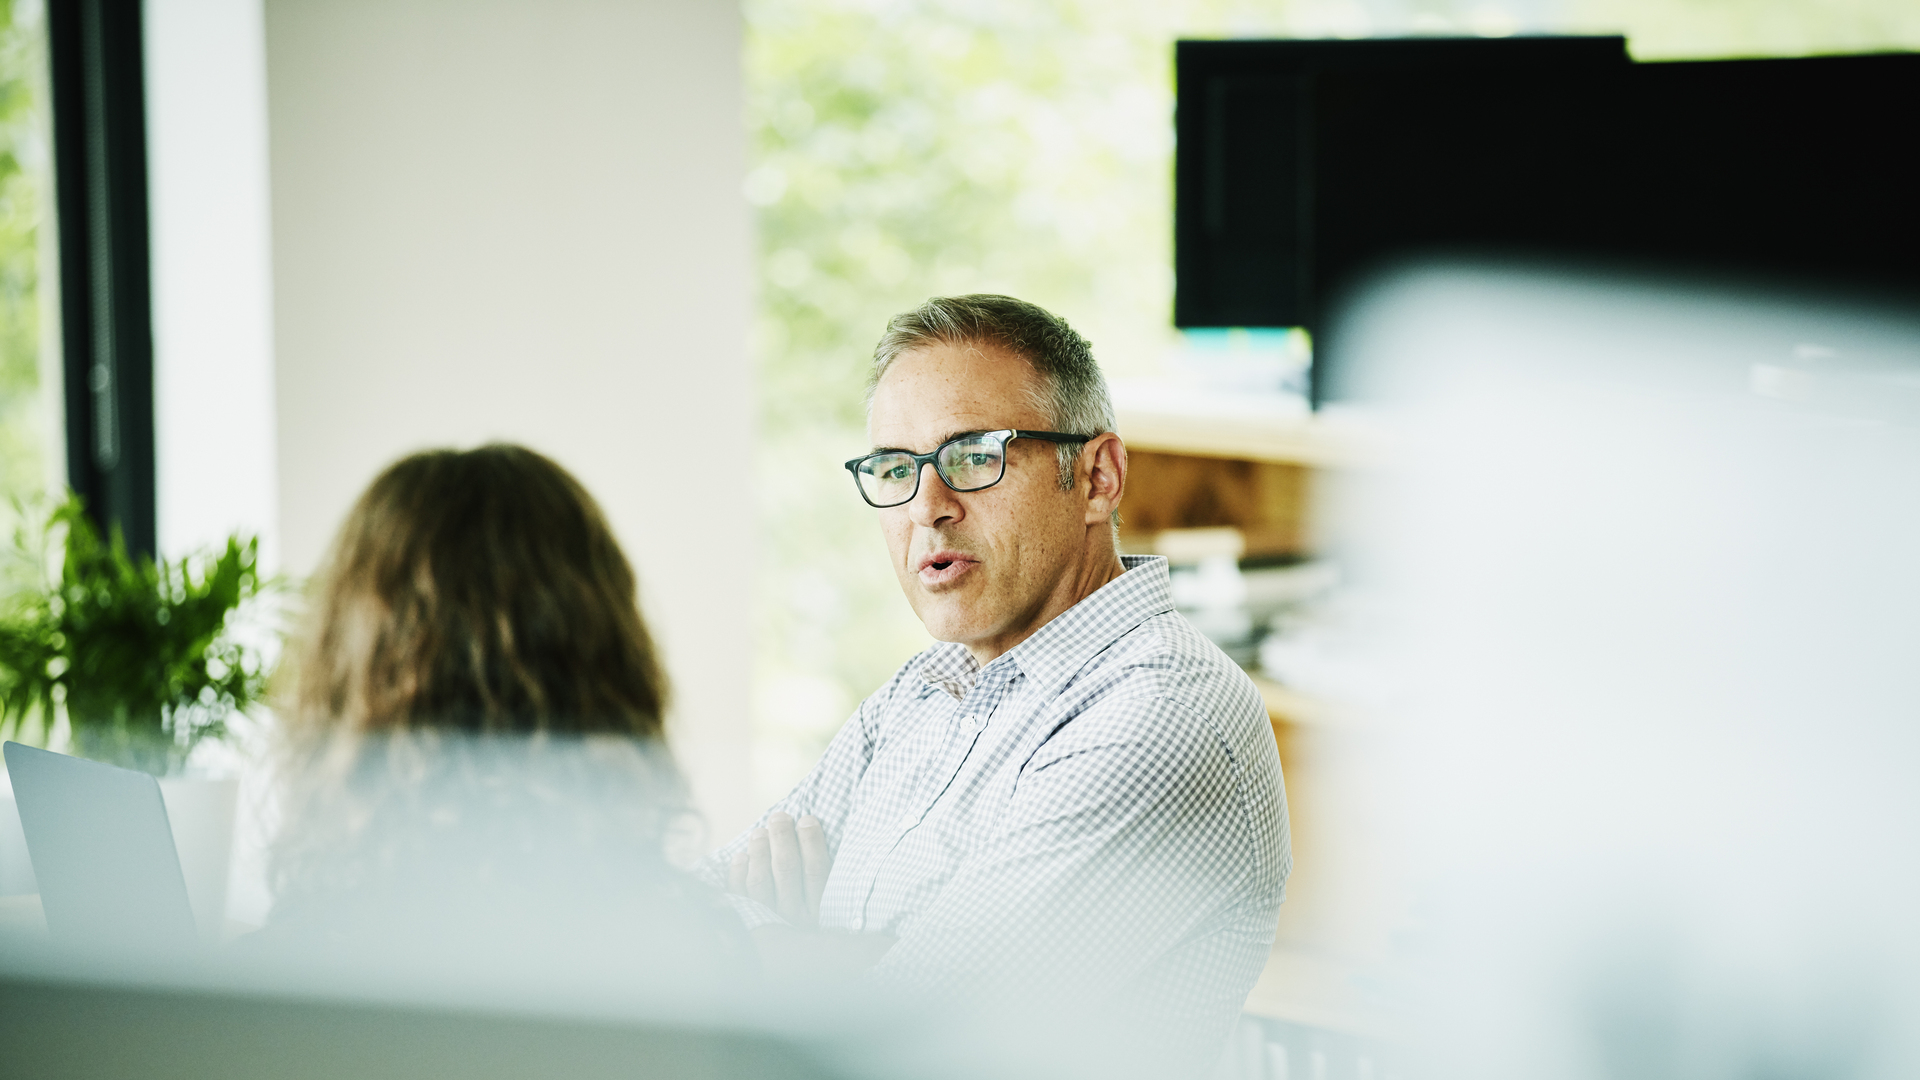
1099, 811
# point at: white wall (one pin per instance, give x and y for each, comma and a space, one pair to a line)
206, 93
523, 221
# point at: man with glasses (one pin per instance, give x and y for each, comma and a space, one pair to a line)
1073, 795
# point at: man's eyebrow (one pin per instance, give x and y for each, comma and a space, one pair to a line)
944, 440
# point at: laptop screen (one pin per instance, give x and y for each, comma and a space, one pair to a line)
102, 851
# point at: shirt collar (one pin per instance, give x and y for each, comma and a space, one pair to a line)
1062, 647
949, 666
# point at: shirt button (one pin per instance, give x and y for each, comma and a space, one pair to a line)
859, 923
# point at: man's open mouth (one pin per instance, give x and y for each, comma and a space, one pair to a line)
940, 567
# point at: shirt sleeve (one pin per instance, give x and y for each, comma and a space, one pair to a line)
1128, 834
826, 792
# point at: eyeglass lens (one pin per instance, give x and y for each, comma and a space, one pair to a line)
967, 464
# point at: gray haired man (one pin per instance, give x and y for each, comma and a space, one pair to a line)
1072, 793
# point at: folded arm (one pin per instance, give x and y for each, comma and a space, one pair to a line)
775, 871
825, 794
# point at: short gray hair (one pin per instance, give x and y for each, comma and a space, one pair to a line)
1071, 393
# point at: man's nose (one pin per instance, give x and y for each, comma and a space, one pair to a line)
935, 501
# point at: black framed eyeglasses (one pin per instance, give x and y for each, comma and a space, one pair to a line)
965, 463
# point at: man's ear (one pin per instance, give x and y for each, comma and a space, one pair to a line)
1106, 479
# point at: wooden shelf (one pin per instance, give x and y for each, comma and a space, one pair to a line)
1312, 441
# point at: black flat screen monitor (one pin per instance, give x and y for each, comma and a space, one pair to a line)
1303, 166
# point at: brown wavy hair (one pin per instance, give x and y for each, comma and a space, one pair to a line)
469, 596
476, 591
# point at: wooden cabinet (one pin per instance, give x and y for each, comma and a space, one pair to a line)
1266, 500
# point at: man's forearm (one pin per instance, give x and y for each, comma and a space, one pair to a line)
788, 954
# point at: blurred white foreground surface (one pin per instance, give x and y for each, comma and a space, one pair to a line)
479, 907
1653, 552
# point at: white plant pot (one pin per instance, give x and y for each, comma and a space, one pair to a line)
201, 813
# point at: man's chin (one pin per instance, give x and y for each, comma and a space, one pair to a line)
948, 620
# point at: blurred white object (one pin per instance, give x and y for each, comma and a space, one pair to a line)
1272, 588
1213, 597
1206, 582
200, 812
1652, 566
1323, 652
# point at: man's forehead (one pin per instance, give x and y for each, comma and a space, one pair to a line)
940, 390
976, 363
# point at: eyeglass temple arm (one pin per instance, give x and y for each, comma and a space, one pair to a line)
1052, 436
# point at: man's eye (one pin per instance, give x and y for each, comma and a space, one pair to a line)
891, 469
977, 460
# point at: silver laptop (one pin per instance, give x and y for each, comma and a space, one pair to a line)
103, 852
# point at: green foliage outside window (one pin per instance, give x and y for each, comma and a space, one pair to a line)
22, 150
907, 148
1709, 29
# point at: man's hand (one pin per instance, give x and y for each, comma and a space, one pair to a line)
784, 868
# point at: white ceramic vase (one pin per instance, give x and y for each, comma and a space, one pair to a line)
201, 813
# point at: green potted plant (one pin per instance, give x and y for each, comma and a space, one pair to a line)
141, 655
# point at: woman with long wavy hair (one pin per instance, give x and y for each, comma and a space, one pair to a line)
470, 760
